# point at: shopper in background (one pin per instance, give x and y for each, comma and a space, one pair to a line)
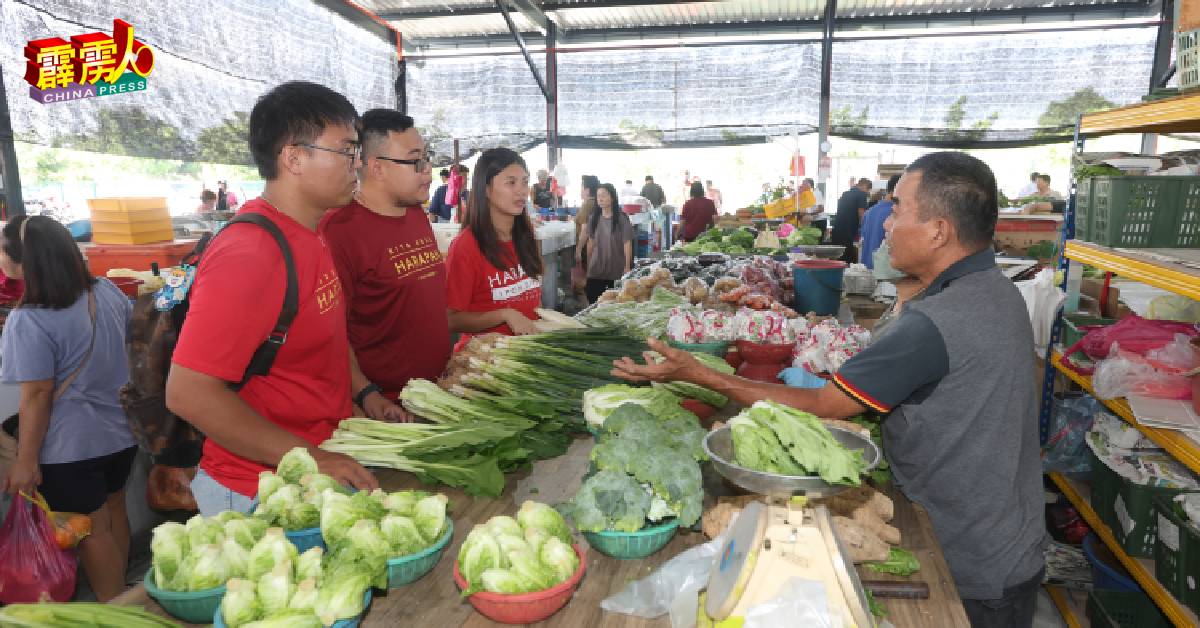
820, 219
960, 432
390, 267
697, 214
540, 193
438, 207
714, 195
494, 267
653, 192
872, 229
609, 237
227, 201
464, 195
208, 202
590, 185
628, 190
64, 344
304, 142
1029, 189
1043, 188
851, 207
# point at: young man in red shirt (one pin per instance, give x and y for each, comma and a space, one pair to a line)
304, 142
393, 276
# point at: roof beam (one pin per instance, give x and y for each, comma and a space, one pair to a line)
512, 28
417, 14
532, 13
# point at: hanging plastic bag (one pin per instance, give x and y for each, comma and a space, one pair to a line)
454, 187
32, 567
69, 527
1065, 449
1042, 300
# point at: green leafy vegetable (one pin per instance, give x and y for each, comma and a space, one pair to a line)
295, 464
775, 438
536, 516
900, 562
240, 605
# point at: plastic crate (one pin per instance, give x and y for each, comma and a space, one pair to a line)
1134, 212
1123, 609
1127, 508
1083, 209
1105, 485
1187, 219
1177, 554
1187, 59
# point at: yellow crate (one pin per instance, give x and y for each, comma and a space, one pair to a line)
127, 207
133, 232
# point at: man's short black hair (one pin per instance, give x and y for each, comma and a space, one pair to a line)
295, 112
1044, 177
375, 126
1033, 176
865, 181
445, 172
962, 189
892, 181
649, 178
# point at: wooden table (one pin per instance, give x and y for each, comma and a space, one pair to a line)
434, 600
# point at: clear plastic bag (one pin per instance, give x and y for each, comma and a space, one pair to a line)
32, 567
799, 602
1125, 373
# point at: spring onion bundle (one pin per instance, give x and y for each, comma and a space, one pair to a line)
54, 615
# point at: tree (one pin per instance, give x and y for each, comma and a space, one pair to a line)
843, 121
228, 142
129, 130
638, 134
952, 126
1061, 115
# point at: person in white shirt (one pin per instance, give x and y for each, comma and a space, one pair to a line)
1030, 188
628, 190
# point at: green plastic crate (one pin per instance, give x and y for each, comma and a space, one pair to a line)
1105, 484
1187, 220
1135, 211
1123, 609
1177, 554
1126, 508
1083, 209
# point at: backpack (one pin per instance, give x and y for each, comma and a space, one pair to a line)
174, 444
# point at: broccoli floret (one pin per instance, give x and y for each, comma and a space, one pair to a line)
610, 501
617, 454
675, 477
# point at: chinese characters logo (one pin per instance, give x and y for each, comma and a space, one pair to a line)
87, 66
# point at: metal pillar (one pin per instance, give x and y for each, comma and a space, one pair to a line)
402, 85
14, 205
1162, 64
552, 94
826, 73
512, 28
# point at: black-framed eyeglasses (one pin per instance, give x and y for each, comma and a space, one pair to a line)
420, 165
349, 153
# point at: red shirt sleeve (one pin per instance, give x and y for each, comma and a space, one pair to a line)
462, 264
234, 303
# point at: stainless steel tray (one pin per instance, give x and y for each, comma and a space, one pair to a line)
822, 251
719, 447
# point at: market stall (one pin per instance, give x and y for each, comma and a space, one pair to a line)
434, 600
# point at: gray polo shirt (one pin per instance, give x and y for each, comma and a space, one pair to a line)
952, 372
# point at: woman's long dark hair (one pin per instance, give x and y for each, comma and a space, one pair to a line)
55, 273
478, 219
594, 219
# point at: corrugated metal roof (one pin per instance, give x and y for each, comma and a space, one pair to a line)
433, 19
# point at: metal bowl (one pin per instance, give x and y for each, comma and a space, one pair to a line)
719, 447
822, 251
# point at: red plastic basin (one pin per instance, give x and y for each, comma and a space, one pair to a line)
762, 353
702, 410
524, 608
128, 285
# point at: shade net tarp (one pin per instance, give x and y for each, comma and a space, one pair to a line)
213, 59
960, 91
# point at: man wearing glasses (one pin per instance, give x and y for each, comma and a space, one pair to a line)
304, 142
393, 276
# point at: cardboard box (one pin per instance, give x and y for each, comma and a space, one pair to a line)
1092, 289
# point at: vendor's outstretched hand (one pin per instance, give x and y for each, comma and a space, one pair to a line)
674, 366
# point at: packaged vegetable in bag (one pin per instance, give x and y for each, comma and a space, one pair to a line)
32, 567
69, 527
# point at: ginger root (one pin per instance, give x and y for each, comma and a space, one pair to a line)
861, 543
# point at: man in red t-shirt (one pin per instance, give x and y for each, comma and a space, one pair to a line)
304, 142
393, 276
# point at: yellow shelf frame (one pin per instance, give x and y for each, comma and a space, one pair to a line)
1180, 114
1130, 265
1175, 443
1141, 569
1065, 608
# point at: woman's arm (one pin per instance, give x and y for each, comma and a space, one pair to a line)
582, 245
473, 322
628, 256
37, 398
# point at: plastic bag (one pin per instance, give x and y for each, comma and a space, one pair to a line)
1042, 300
1174, 307
799, 602
32, 567
1126, 373
1133, 333
673, 588
1065, 449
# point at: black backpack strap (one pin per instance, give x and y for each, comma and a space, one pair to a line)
264, 356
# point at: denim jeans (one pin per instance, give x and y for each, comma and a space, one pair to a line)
212, 497
1014, 608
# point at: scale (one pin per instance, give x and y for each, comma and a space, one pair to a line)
781, 538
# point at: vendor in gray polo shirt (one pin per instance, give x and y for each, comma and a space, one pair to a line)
951, 376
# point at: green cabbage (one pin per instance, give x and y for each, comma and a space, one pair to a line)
236, 556
168, 545
204, 568
773, 437
503, 524
308, 565
275, 588
272, 549
403, 502
560, 558
430, 516
402, 535
479, 552
295, 464
600, 402
502, 581
202, 531
268, 483
305, 596
240, 604
288, 619
533, 574
540, 516
341, 594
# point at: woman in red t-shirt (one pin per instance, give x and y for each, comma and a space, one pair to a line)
494, 266
698, 214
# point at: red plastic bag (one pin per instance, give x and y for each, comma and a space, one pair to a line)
454, 188
1133, 333
32, 568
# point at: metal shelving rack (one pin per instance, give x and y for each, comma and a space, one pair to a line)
1157, 267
